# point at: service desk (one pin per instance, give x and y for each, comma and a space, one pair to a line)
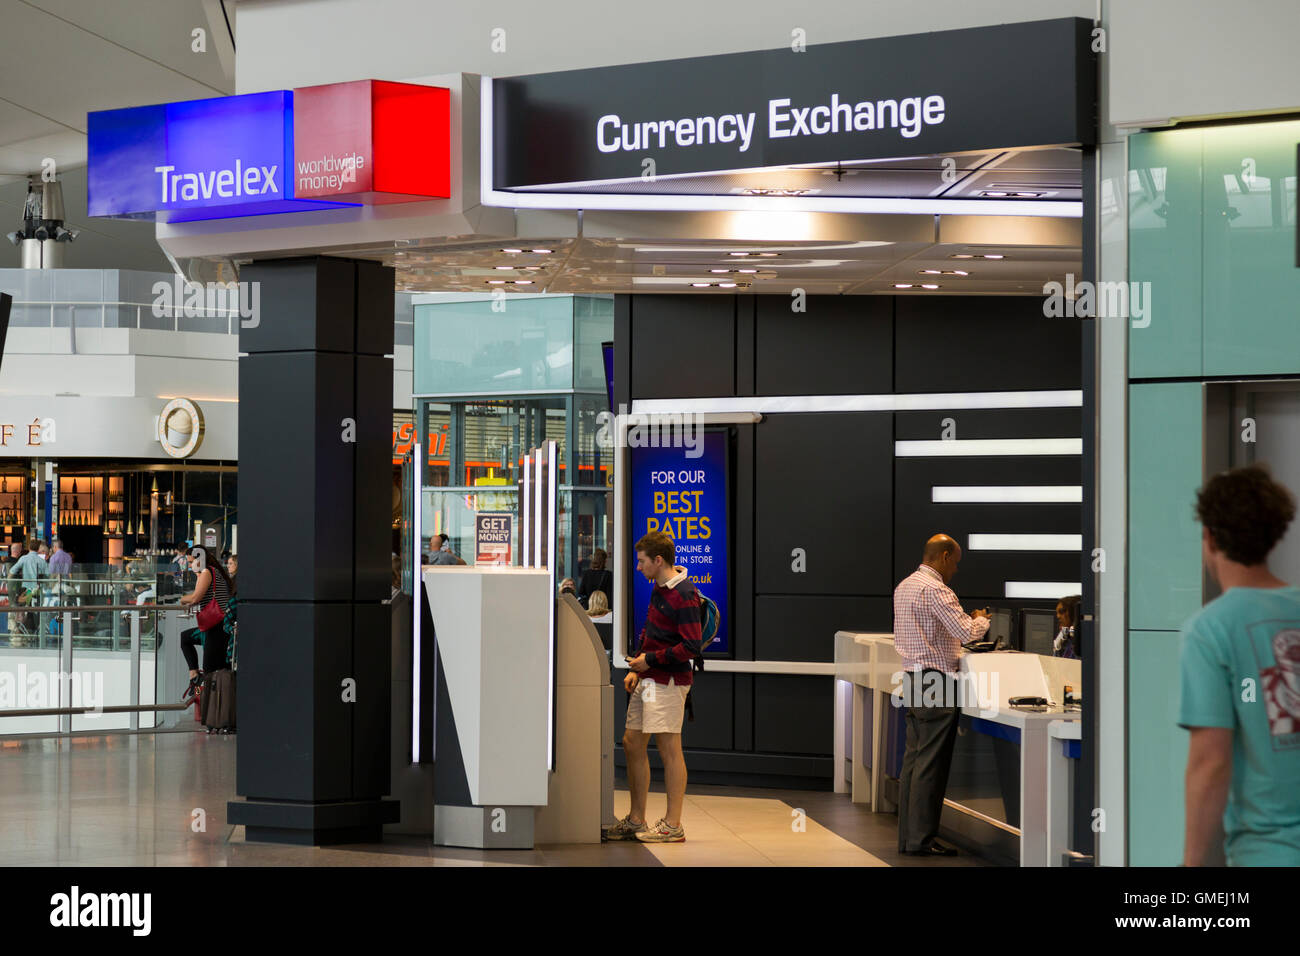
868, 737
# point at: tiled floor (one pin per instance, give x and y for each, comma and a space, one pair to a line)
160, 800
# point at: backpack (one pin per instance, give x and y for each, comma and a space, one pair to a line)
230, 624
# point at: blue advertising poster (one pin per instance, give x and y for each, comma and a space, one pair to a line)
687, 498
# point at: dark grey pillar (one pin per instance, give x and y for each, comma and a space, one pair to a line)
315, 427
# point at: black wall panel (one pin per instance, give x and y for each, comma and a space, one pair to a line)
304, 304
823, 482
802, 628
982, 343
842, 345
373, 477
299, 761
683, 346
308, 473
829, 482
983, 573
793, 715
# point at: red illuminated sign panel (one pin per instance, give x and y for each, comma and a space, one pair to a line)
372, 141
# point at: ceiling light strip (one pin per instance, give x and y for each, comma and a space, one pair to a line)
1002, 447
1064, 398
1024, 542
1006, 494
1045, 590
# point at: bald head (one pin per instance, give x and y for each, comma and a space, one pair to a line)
942, 553
938, 546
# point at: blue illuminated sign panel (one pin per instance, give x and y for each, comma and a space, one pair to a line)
200, 159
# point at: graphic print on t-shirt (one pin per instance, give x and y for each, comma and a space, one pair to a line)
1277, 650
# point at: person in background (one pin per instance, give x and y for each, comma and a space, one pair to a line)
658, 680
211, 583
25, 577
60, 560
929, 629
442, 553
1067, 627
598, 608
232, 566
596, 578
1240, 667
568, 587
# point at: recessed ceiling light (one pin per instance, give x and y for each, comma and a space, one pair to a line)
523, 282
943, 272
902, 285
962, 255
928, 285
542, 252
512, 250
747, 270
726, 285
719, 270
496, 281
995, 194
931, 272
506, 268
700, 285
990, 256
959, 272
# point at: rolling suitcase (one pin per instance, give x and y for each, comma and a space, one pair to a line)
217, 701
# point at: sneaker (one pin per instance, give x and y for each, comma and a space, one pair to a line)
661, 832
625, 829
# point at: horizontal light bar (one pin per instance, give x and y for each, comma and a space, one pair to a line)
1025, 542
1006, 494
1049, 590
1064, 398
963, 447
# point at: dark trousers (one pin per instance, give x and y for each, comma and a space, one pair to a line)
927, 758
214, 648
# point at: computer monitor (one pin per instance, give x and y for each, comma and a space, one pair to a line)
1002, 628
1038, 630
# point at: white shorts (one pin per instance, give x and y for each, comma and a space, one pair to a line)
657, 708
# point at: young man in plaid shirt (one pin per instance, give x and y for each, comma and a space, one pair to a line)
659, 681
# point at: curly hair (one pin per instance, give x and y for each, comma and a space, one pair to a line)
1246, 512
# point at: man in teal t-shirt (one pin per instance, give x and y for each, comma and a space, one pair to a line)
1241, 681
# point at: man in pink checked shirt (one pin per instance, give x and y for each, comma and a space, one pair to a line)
929, 629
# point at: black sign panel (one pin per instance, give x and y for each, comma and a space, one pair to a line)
1013, 85
6, 303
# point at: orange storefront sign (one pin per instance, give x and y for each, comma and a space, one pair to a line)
404, 441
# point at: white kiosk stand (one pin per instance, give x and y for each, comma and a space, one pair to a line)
493, 723
493, 719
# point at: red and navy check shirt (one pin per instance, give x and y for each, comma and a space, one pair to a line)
671, 638
929, 625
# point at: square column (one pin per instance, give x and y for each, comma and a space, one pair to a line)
315, 425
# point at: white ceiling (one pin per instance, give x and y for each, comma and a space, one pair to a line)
59, 60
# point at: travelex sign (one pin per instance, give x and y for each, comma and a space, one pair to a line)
909, 116
235, 155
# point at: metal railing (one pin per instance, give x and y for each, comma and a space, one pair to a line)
129, 660
124, 312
